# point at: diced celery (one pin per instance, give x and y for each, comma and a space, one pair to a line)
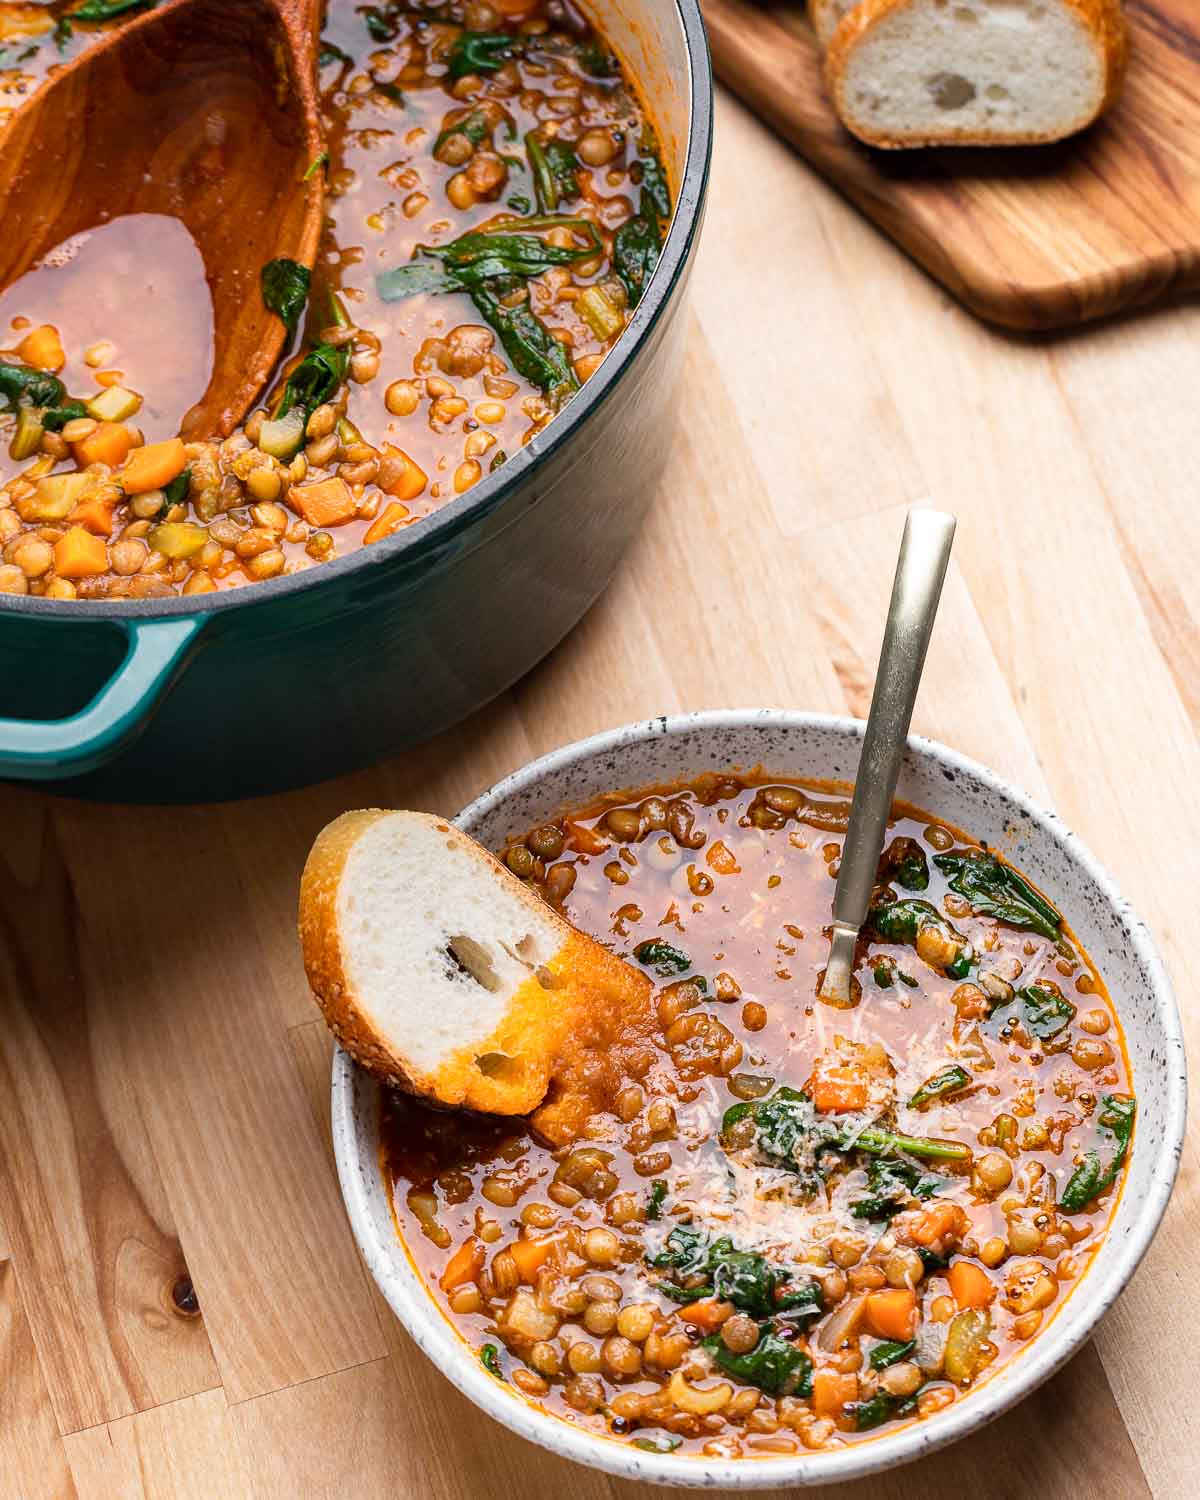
600, 313
115, 404
54, 498
178, 538
282, 437
28, 437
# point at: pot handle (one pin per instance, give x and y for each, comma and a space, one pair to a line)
47, 749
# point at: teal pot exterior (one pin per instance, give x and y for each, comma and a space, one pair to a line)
288, 682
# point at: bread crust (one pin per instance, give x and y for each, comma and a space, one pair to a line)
824, 21
1104, 20
580, 979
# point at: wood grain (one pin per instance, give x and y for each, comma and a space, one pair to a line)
164, 1098
1030, 238
33, 1461
196, 110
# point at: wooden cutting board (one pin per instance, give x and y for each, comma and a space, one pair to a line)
1034, 238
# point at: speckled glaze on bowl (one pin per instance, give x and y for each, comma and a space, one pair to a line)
965, 794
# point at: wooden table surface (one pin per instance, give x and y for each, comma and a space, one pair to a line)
182, 1309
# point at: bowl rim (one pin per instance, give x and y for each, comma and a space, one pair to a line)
441, 530
1037, 1363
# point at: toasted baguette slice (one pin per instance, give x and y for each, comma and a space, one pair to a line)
439, 971
826, 15
975, 72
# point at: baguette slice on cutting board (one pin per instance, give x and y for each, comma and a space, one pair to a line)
975, 72
439, 971
826, 15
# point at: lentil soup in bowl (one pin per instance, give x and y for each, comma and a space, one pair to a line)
764, 1241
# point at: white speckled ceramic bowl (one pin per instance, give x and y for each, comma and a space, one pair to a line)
963, 793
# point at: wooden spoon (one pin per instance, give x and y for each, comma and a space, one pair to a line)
203, 110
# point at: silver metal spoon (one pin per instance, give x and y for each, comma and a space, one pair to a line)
916, 590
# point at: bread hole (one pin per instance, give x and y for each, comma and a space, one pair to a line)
546, 979
472, 958
527, 949
997, 91
500, 1066
950, 90
970, 17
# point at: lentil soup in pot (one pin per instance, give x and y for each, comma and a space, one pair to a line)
758, 1224
496, 204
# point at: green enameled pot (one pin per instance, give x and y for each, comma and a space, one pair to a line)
283, 683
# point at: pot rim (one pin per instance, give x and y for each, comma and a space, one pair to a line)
1117, 1261
454, 518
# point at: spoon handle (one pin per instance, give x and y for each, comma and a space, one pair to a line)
916, 590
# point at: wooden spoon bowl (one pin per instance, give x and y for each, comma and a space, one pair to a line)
203, 110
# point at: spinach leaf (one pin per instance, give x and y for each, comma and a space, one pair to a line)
904, 862
481, 52
318, 164
595, 58
1045, 1010
658, 955
774, 1365
380, 27
800, 1303
315, 379
890, 1186
752, 1283
489, 1357
951, 1080
1093, 1175
474, 126
176, 492
55, 418
664, 1444
22, 385
638, 242
636, 249
489, 264
330, 52
884, 973
530, 346
285, 285
485, 255
996, 890
104, 10
881, 1408
784, 1131
904, 921
890, 1353
658, 1194
685, 1251
554, 166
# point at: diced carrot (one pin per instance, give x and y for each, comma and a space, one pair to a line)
399, 475
707, 1315
970, 1285
152, 466
328, 502
892, 1314
841, 1086
463, 1266
532, 1255
43, 348
584, 840
936, 1222
833, 1391
79, 554
110, 377
95, 514
109, 444
390, 519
